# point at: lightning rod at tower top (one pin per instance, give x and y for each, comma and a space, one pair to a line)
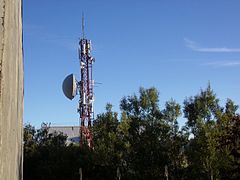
84, 88
83, 35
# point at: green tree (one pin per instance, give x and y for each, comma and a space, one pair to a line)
106, 144
176, 142
201, 112
29, 151
228, 138
29, 139
147, 135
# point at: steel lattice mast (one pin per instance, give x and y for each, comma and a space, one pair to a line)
86, 91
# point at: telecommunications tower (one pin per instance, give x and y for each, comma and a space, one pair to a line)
84, 88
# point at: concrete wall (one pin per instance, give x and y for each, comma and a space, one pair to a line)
11, 89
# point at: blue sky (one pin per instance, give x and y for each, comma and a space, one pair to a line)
175, 46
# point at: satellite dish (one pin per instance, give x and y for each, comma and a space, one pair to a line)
69, 86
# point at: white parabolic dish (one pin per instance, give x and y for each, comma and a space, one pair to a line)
69, 86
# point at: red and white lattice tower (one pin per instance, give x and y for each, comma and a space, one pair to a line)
86, 91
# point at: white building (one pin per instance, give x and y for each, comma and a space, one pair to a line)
72, 132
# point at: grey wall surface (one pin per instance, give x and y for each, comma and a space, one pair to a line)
11, 90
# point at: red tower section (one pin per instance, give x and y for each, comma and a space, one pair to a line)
86, 92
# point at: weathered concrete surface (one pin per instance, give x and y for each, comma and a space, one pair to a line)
11, 90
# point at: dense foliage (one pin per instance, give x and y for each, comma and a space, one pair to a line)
144, 142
